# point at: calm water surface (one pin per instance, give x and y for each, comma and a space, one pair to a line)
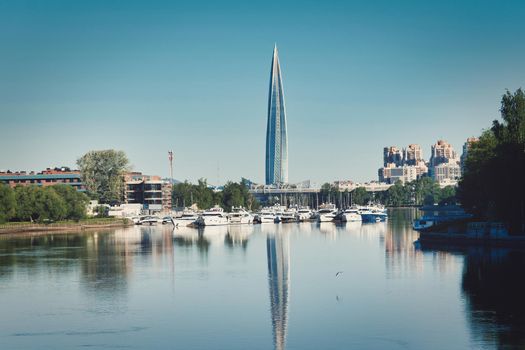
258, 287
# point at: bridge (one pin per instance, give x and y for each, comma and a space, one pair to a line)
311, 196
267, 190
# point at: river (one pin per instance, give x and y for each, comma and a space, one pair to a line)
270, 286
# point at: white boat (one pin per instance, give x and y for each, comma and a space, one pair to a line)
351, 214
167, 220
213, 217
240, 216
373, 213
266, 215
304, 214
326, 212
288, 215
148, 220
186, 219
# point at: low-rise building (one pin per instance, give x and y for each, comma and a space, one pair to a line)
48, 177
149, 190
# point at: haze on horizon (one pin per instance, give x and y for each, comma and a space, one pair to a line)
148, 77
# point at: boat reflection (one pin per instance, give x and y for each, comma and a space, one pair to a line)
329, 229
278, 253
238, 235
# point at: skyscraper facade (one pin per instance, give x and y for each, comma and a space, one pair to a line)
276, 131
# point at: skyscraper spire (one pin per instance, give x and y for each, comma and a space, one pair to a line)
276, 131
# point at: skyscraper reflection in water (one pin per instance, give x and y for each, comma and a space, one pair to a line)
278, 252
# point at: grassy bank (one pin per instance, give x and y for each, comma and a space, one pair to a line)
68, 225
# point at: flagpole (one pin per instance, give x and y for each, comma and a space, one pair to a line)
170, 157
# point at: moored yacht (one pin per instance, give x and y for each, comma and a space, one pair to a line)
240, 216
351, 214
373, 213
327, 212
304, 214
266, 215
186, 219
213, 217
289, 215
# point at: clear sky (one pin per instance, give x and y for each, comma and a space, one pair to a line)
192, 76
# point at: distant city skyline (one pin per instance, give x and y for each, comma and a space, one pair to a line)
150, 77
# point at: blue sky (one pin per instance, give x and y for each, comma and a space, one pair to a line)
146, 77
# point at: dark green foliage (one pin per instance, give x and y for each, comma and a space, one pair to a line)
76, 201
237, 194
329, 193
234, 194
101, 211
448, 196
422, 191
41, 204
492, 186
360, 196
7, 203
186, 194
26, 202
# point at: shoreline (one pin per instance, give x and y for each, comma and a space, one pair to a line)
65, 227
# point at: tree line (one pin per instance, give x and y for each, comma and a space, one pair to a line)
493, 186
235, 194
423, 191
41, 204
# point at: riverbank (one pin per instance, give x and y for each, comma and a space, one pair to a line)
84, 224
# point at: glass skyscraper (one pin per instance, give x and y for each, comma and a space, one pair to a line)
276, 133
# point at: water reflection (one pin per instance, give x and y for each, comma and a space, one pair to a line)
493, 287
453, 297
238, 235
401, 257
328, 229
278, 253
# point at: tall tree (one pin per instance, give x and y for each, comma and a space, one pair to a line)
102, 173
7, 203
26, 202
492, 186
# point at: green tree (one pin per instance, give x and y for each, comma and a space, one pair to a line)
329, 193
360, 196
182, 194
425, 191
7, 203
26, 202
232, 196
102, 174
447, 196
49, 205
237, 194
204, 194
101, 211
492, 186
76, 202
398, 195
